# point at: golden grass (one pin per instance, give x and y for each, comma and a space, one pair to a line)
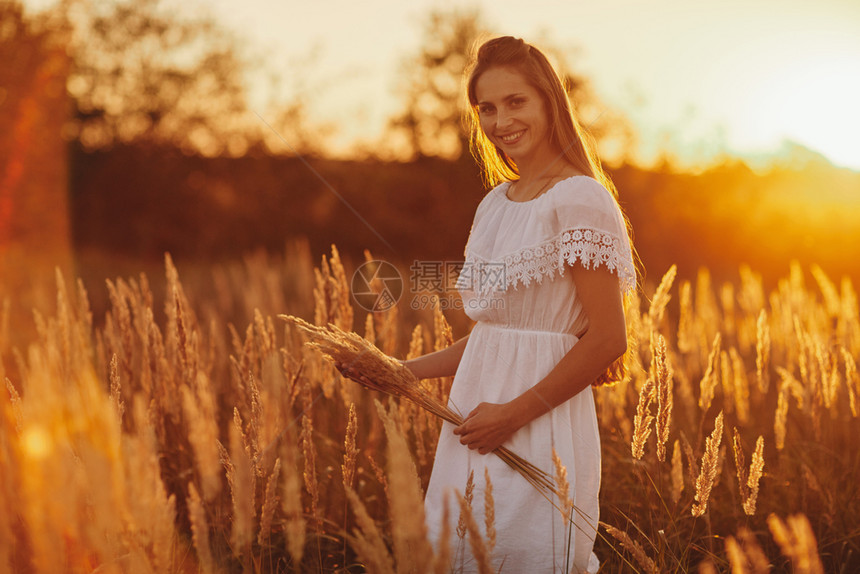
476, 541
710, 465
642, 420
796, 540
662, 373
468, 494
489, 511
562, 487
643, 560
183, 429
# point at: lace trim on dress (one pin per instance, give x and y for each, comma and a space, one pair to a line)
591, 247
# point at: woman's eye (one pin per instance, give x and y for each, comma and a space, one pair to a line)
517, 102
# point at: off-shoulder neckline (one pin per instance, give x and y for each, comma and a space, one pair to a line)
503, 190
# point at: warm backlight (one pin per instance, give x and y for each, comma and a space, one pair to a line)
811, 100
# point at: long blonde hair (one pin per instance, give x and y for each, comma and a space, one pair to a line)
566, 135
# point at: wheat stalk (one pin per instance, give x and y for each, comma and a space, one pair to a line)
727, 382
364, 363
852, 381
562, 487
661, 298
685, 318
662, 373
116, 387
476, 542
780, 418
310, 471
677, 472
634, 548
380, 475
709, 381
350, 451
762, 349
756, 471
489, 510
741, 386
740, 464
710, 464
469, 494
270, 503
642, 419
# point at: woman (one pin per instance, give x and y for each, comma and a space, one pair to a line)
547, 263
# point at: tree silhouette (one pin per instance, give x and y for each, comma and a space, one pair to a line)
142, 74
433, 89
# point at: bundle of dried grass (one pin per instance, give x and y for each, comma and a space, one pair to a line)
360, 360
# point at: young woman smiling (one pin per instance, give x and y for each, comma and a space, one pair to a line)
555, 323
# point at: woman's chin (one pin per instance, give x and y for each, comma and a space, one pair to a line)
514, 151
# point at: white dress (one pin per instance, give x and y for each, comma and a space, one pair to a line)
527, 311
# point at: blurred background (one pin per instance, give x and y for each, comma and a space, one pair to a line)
221, 129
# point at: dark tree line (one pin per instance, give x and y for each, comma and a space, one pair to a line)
143, 73
150, 92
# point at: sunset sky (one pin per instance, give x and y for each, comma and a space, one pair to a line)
696, 78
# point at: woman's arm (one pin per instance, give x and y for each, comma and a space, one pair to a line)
489, 425
441, 363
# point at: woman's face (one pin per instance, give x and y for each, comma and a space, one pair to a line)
513, 115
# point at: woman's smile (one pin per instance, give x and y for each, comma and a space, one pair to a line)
512, 138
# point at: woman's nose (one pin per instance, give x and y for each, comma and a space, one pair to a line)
503, 119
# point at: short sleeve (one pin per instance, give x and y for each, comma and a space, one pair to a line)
576, 222
587, 228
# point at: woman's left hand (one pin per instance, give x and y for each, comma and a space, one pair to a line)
487, 427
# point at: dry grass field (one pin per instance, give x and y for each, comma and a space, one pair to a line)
187, 429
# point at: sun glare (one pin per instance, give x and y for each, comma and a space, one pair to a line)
811, 100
